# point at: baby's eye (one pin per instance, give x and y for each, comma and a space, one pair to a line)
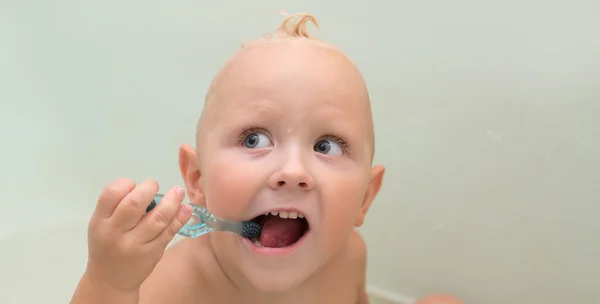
256, 141
328, 146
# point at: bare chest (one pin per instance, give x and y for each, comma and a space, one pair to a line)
333, 288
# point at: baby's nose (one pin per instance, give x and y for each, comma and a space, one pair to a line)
292, 177
302, 185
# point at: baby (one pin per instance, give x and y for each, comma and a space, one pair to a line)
285, 139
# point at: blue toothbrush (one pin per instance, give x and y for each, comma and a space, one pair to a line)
203, 222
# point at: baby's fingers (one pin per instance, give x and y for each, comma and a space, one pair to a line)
133, 206
183, 216
161, 217
111, 195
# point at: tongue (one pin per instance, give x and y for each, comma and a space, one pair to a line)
278, 232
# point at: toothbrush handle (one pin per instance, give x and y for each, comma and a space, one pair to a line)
152, 204
200, 224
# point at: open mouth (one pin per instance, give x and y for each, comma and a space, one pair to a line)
280, 229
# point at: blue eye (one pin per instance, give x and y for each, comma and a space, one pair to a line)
256, 140
329, 147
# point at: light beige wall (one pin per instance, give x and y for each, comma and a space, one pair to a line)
487, 118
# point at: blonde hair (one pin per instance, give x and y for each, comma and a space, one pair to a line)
294, 26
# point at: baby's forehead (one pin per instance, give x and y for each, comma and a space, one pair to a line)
291, 71
291, 55
275, 79
290, 64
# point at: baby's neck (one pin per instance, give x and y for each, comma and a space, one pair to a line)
226, 280
246, 292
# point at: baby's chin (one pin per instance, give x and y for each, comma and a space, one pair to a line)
279, 274
272, 273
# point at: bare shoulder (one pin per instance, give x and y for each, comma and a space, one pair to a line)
173, 280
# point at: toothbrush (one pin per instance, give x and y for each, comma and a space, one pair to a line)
203, 222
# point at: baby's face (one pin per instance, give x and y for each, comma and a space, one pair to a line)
288, 132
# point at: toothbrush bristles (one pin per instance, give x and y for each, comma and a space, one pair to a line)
251, 230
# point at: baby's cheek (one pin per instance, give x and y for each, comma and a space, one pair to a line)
343, 205
228, 189
340, 212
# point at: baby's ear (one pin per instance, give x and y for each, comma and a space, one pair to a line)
372, 190
190, 172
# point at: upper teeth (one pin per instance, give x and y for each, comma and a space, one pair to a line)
286, 214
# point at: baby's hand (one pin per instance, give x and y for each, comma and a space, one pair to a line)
125, 243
